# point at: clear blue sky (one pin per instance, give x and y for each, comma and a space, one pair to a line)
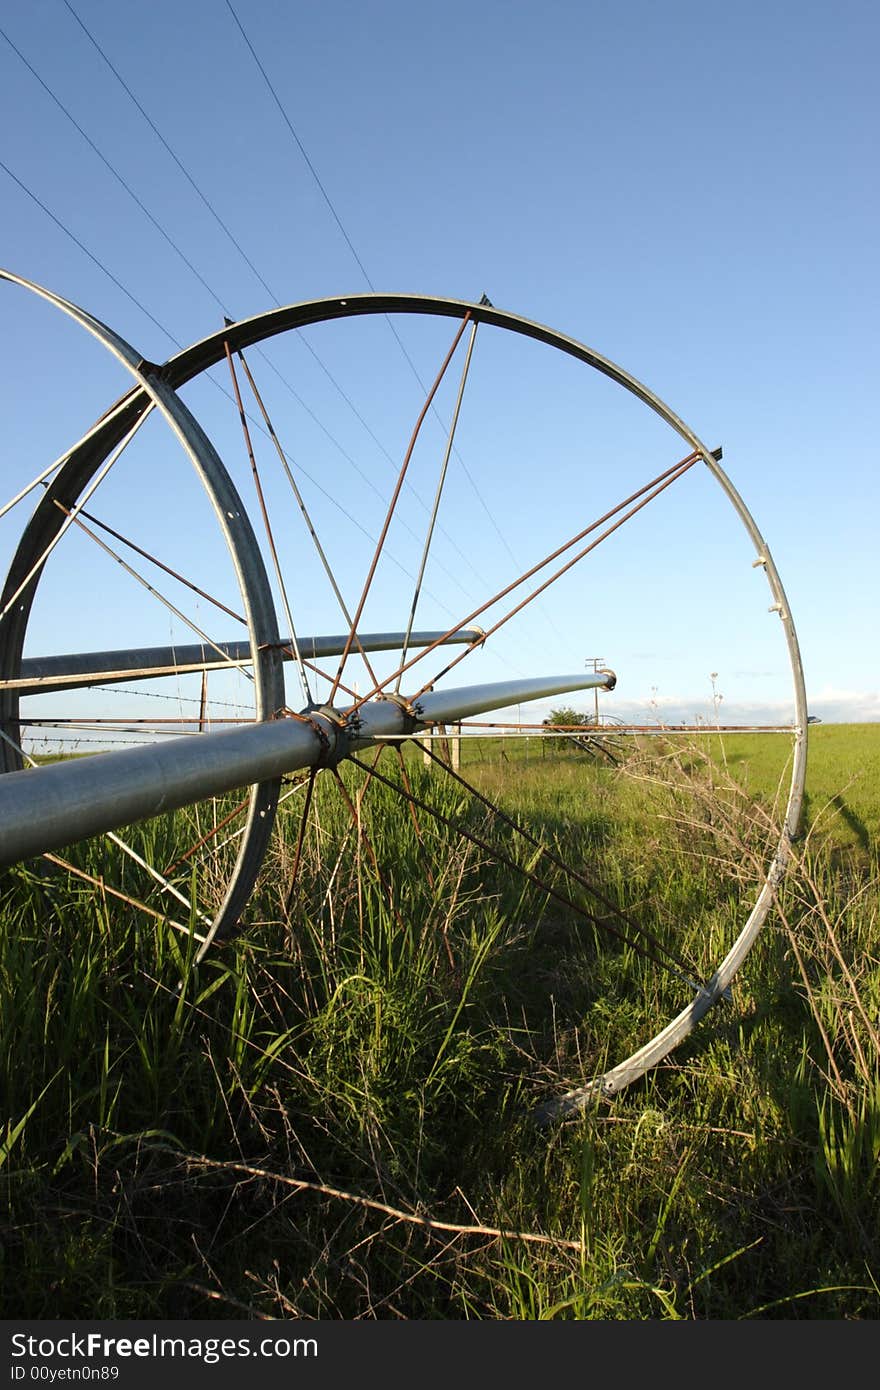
688, 188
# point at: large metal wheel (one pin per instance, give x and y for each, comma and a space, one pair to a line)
404, 508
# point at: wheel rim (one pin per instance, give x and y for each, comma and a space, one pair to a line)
194, 362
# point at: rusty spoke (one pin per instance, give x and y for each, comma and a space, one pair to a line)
392, 506
226, 820
655, 491
282, 456
160, 564
300, 840
126, 849
567, 869
117, 893
530, 876
436, 508
641, 498
73, 516
355, 812
304, 680
426, 863
311, 666
212, 834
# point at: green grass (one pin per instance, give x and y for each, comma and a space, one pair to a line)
333, 1116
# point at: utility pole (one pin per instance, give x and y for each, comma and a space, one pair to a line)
595, 663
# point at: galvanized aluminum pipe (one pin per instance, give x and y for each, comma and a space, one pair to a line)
41, 675
46, 807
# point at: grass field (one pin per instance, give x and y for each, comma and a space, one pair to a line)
334, 1115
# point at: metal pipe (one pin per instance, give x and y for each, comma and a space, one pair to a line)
450, 706
46, 807
43, 674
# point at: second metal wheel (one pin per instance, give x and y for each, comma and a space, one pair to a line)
526, 486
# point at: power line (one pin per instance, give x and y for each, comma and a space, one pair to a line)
100, 264
299, 144
115, 172
324, 194
337, 219
266, 286
171, 242
161, 138
189, 264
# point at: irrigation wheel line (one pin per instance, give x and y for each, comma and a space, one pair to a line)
158, 387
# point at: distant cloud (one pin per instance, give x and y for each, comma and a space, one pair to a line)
830, 705
845, 706
684, 709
